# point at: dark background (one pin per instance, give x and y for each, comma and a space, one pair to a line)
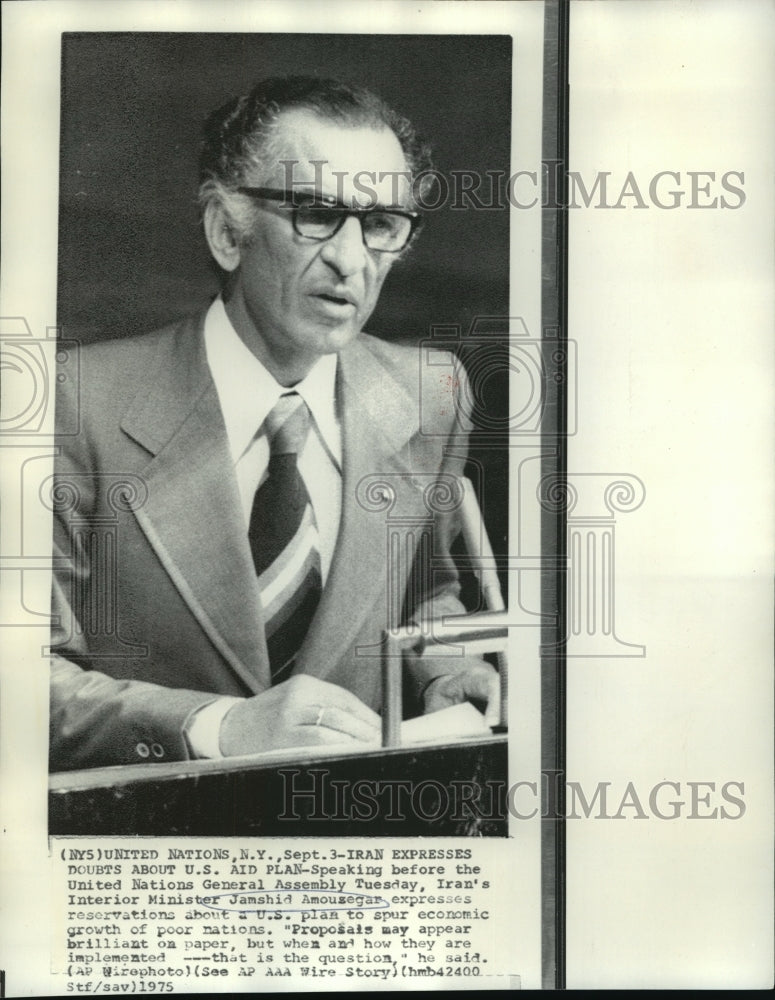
131, 253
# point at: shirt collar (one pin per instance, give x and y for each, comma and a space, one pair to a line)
247, 391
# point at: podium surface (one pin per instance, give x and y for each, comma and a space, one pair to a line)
451, 789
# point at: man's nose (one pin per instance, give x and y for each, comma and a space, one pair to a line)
345, 251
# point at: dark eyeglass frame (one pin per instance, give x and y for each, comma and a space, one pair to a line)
298, 199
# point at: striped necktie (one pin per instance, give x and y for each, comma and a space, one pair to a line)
283, 538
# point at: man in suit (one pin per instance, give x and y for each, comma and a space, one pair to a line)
221, 578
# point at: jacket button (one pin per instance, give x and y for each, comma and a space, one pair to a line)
143, 750
157, 749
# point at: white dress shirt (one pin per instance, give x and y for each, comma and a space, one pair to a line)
247, 392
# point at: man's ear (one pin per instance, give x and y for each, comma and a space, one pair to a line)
220, 237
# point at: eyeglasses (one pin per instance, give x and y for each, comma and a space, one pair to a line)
319, 217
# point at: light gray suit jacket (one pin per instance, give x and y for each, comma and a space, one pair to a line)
156, 606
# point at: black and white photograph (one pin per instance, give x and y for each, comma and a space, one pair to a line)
209, 334
385, 465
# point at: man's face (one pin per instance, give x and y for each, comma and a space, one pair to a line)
299, 299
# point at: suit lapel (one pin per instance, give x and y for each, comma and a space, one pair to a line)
193, 516
379, 418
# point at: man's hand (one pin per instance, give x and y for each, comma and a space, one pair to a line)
302, 711
479, 684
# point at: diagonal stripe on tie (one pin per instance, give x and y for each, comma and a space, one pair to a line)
289, 564
284, 642
275, 598
283, 537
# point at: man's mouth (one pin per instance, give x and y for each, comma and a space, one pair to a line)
336, 299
